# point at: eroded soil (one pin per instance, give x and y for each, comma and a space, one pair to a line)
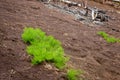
88, 51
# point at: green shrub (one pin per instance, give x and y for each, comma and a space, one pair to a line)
73, 74
108, 38
44, 48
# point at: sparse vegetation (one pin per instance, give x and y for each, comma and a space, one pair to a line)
47, 48
73, 74
44, 48
108, 38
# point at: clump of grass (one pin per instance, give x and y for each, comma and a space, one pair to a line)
108, 38
44, 48
73, 74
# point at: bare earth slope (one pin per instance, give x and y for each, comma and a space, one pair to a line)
88, 51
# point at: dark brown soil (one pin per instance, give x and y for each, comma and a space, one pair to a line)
88, 51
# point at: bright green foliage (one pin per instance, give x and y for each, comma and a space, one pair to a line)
108, 38
73, 74
31, 34
44, 48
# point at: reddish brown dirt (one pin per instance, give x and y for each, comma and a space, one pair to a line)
88, 51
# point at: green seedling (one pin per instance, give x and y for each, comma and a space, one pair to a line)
44, 48
73, 74
108, 38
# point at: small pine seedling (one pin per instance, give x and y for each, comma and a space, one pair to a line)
44, 48
108, 38
73, 74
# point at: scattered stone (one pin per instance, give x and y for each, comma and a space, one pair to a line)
65, 34
12, 71
48, 66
